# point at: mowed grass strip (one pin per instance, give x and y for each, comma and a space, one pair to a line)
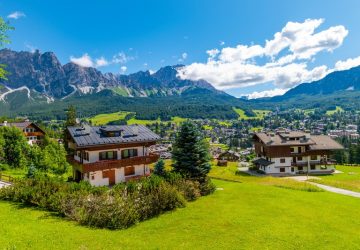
236, 216
349, 179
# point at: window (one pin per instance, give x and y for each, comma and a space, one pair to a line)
313, 157
292, 150
128, 153
86, 156
300, 158
129, 170
300, 168
282, 170
108, 155
282, 160
292, 169
312, 167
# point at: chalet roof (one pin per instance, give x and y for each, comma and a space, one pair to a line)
282, 139
315, 142
324, 142
92, 136
22, 125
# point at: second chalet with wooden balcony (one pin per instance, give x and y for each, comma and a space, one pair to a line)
294, 152
108, 155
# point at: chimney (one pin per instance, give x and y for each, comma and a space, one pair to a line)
307, 134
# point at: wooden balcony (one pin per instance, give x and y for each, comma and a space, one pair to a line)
109, 164
321, 162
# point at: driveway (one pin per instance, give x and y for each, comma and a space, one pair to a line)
3, 184
325, 187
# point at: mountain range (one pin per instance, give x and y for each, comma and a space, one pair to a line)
37, 83
43, 75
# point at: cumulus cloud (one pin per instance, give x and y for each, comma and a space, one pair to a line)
16, 15
266, 93
347, 64
123, 69
86, 61
83, 61
282, 60
100, 62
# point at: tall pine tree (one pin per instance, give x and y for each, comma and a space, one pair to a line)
70, 121
190, 153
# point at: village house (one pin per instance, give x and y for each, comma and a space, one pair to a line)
294, 152
108, 155
33, 133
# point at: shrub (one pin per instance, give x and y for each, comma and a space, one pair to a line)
119, 207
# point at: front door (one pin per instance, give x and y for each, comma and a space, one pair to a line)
110, 174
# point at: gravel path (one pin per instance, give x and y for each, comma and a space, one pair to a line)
325, 187
337, 190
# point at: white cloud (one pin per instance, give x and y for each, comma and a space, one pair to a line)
83, 61
16, 15
222, 43
123, 69
347, 64
30, 47
86, 61
100, 62
267, 93
122, 58
284, 59
183, 57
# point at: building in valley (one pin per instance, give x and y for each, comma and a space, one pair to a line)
108, 155
33, 133
294, 152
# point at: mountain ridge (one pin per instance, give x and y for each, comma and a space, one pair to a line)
44, 74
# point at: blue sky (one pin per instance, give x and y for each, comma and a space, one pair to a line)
128, 36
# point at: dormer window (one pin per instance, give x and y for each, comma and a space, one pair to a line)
110, 131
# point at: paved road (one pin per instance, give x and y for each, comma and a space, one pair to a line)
3, 184
325, 187
337, 190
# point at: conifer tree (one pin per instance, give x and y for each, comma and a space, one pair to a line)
159, 168
191, 153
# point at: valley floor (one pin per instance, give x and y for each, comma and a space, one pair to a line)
253, 213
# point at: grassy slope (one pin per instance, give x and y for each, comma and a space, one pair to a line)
259, 114
239, 216
102, 119
349, 179
337, 109
253, 213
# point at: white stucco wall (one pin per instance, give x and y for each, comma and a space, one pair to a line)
119, 175
98, 179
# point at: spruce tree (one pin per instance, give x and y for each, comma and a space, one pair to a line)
70, 121
159, 168
190, 153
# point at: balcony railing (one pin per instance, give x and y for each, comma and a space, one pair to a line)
108, 164
321, 162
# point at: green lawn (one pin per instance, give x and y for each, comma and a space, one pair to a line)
337, 109
102, 119
237, 216
245, 213
349, 179
259, 114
